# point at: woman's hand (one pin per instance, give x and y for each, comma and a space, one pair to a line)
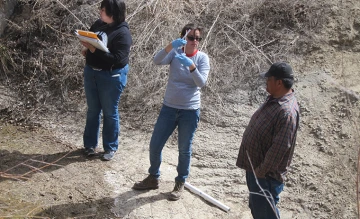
89, 46
84, 51
175, 44
178, 43
184, 60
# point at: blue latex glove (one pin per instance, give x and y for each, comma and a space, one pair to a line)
178, 42
184, 60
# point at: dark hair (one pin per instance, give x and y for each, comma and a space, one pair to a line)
287, 82
115, 9
192, 27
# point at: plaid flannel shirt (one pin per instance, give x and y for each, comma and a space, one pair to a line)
269, 139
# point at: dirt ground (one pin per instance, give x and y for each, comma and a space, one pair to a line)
43, 173
321, 184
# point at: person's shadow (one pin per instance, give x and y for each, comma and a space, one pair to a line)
120, 206
18, 166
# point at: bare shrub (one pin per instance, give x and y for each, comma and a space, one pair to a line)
241, 39
6, 61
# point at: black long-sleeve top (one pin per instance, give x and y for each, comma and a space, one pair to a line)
118, 38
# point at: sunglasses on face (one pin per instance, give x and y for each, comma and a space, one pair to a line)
191, 38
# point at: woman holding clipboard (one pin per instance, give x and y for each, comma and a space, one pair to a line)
105, 77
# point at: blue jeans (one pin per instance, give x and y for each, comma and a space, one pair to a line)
102, 91
170, 118
259, 206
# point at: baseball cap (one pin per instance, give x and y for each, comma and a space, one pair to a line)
279, 70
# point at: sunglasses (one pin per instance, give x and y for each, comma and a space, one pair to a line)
191, 38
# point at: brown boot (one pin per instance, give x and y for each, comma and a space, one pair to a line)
150, 182
177, 191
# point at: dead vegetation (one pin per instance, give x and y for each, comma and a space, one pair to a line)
241, 38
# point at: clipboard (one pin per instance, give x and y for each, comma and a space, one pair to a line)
92, 38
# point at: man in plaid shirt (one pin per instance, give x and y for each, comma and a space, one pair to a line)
268, 142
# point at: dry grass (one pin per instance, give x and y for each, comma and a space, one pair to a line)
241, 38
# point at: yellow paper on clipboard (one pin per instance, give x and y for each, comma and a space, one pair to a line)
92, 38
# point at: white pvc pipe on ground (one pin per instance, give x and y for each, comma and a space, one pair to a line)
206, 197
